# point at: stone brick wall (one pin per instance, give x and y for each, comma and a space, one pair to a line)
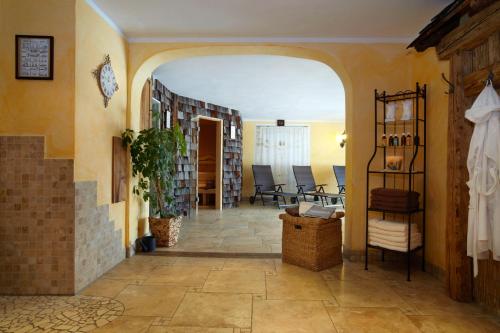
37, 219
184, 109
98, 246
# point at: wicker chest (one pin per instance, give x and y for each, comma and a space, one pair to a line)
311, 243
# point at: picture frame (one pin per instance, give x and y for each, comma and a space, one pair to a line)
34, 57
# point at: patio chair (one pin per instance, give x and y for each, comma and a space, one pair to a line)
339, 172
306, 186
265, 186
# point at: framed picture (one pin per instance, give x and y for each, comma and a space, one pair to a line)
34, 57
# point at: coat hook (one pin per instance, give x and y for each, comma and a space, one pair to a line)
451, 87
490, 77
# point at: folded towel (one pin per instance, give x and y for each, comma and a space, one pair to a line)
398, 242
395, 247
392, 192
391, 225
392, 238
394, 201
308, 209
390, 233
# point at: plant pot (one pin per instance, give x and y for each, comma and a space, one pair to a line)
148, 243
165, 230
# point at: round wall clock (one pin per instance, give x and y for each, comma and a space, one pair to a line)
106, 79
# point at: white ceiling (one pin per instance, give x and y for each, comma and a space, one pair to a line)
259, 86
317, 20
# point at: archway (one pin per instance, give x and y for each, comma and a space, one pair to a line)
148, 65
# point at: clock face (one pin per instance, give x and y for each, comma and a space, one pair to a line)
107, 80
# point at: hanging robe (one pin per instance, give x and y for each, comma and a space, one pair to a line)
483, 164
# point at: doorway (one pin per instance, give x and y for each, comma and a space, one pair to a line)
209, 164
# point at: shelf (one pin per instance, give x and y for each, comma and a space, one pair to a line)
412, 164
400, 96
386, 249
390, 172
398, 122
400, 147
418, 210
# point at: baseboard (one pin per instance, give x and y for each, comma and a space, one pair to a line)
212, 254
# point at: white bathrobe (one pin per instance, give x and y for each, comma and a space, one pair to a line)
483, 164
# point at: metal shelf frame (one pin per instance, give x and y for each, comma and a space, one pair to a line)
417, 150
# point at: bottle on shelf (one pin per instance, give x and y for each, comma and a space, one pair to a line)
408, 139
384, 140
403, 139
396, 140
391, 140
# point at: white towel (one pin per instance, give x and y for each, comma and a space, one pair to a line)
395, 246
392, 238
414, 230
398, 242
390, 225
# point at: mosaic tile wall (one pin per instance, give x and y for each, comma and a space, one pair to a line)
37, 210
183, 110
98, 246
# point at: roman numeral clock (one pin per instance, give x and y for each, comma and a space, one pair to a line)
106, 80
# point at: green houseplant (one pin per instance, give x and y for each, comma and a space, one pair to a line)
154, 152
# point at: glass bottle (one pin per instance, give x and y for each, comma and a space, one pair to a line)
403, 139
408, 139
391, 140
384, 140
396, 140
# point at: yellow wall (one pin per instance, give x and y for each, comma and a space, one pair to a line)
33, 107
325, 152
427, 69
95, 125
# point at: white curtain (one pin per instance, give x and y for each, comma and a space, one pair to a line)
281, 147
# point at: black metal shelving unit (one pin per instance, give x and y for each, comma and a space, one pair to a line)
412, 176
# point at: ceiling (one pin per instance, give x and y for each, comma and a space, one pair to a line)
314, 20
261, 87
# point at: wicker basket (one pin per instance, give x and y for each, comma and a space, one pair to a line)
166, 230
311, 243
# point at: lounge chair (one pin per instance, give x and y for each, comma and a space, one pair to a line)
307, 187
339, 172
265, 186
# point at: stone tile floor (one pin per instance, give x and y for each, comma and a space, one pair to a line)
247, 229
234, 295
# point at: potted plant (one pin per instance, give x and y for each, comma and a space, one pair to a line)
154, 152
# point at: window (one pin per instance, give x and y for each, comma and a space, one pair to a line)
282, 147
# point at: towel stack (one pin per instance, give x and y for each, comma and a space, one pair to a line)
394, 199
393, 235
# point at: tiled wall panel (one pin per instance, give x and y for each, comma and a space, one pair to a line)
98, 245
37, 219
186, 109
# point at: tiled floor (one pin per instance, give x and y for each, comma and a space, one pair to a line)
178, 294
248, 229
